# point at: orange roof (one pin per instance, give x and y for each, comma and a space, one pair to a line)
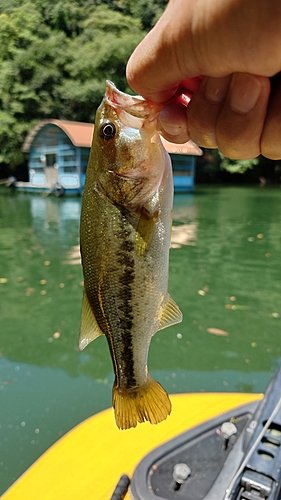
81, 135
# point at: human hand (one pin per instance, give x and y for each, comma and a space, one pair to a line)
237, 45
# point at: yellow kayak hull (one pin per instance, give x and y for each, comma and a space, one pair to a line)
88, 461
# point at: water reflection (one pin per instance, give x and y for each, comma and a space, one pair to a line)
184, 234
53, 210
223, 274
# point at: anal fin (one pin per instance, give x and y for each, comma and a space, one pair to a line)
171, 314
89, 328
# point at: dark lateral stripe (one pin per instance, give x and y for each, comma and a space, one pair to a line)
126, 317
124, 295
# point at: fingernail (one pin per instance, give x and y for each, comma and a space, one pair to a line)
172, 119
208, 140
244, 92
216, 89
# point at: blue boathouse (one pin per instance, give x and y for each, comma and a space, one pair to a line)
59, 151
183, 158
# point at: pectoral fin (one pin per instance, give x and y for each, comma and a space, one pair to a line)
171, 314
145, 231
89, 328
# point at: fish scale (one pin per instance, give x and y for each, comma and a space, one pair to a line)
125, 239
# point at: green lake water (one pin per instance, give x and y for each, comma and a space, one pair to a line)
225, 274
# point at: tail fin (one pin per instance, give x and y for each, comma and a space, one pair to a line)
148, 402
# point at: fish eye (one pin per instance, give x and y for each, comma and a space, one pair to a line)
108, 131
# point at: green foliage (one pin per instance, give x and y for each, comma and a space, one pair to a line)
31, 58
148, 11
214, 167
237, 166
56, 55
99, 53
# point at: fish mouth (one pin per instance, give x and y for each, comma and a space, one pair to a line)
135, 177
136, 106
130, 174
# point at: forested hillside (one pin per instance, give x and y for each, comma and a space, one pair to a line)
56, 55
54, 59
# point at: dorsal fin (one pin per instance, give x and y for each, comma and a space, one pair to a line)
171, 314
89, 328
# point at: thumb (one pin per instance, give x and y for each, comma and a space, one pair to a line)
206, 38
153, 70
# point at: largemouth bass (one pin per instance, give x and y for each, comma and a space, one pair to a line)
125, 239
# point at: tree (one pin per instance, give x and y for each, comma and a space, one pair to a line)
147, 11
100, 52
31, 59
54, 60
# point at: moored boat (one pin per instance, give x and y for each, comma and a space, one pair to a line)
234, 456
223, 446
